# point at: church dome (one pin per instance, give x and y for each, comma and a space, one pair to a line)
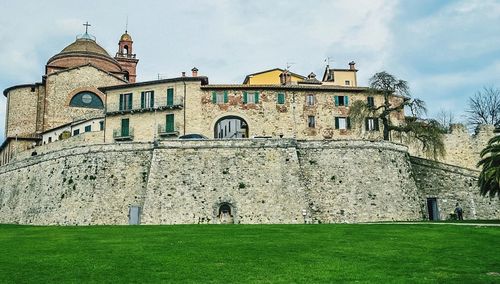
85, 50
125, 37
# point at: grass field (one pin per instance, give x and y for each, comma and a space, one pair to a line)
250, 253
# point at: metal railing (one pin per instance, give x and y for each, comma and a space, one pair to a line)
115, 108
123, 134
163, 131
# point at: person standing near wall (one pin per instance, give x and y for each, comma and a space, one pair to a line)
459, 212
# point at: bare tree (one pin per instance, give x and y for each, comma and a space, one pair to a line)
445, 118
428, 132
484, 107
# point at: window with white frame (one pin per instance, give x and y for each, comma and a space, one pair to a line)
371, 124
342, 123
310, 100
311, 121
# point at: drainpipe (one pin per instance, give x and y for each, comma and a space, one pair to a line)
184, 108
105, 116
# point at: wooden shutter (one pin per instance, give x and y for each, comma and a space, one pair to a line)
170, 97
129, 101
346, 100
152, 99
336, 123
226, 99
143, 100
367, 123
245, 97
214, 97
336, 100
348, 122
121, 102
376, 123
170, 123
281, 99
125, 127
256, 97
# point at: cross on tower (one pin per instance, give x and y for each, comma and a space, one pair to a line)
87, 25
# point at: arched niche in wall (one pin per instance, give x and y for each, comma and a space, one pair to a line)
86, 99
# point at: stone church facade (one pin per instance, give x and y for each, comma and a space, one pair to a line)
90, 145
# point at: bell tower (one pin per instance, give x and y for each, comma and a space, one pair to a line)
126, 57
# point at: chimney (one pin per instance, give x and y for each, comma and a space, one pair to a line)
285, 78
183, 74
194, 72
352, 65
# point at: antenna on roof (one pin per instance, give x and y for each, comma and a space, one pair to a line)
327, 60
288, 65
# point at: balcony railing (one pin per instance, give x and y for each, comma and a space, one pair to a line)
123, 134
164, 131
114, 109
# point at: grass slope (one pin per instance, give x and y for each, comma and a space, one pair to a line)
250, 253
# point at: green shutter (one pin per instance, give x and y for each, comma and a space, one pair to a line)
170, 123
376, 124
121, 102
214, 97
125, 127
336, 100
281, 99
348, 122
346, 100
152, 101
143, 100
245, 97
256, 97
170, 97
366, 123
336, 123
130, 101
226, 99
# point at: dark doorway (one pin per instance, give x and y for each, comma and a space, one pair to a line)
432, 209
225, 214
231, 127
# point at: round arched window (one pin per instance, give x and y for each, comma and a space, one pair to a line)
86, 99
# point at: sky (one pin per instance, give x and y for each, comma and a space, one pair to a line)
446, 50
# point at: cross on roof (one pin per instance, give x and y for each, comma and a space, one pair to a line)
87, 25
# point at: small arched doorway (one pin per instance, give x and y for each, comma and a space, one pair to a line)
231, 127
225, 214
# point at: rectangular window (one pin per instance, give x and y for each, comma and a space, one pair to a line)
147, 99
170, 127
220, 98
310, 100
370, 102
311, 121
371, 124
126, 101
347, 82
250, 98
341, 100
125, 127
281, 99
76, 132
342, 123
170, 96
88, 128
101, 125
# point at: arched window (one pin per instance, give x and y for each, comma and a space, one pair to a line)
125, 49
225, 210
126, 75
86, 99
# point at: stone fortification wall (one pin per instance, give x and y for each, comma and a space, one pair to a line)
451, 185
462, 148
358, 181
82, 185
259, 180
83, 139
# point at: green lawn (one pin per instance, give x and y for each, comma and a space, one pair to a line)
250, 253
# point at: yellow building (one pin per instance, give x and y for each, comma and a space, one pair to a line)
270, 77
